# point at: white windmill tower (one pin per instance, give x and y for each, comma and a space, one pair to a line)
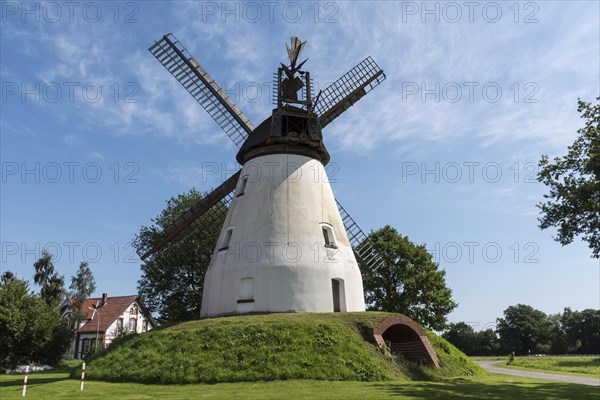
286, 245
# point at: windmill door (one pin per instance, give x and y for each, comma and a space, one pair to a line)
335, 286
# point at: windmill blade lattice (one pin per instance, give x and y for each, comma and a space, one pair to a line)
360, 241
216, 202
191, 248
179, 62
351, 87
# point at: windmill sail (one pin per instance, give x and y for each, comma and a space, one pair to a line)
360, 241
351, 87
223, 193
179, 62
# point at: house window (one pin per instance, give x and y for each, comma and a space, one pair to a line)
85, 346
120, 323
132, 324
133, 310
226, 239
242, 188
246, 290
144, 325
328, 235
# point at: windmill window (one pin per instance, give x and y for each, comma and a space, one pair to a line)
226, 239
328, 235
246, 290
242, 188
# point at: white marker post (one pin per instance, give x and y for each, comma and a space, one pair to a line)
25, 380
82, 377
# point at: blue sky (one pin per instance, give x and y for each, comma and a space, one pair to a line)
96, 135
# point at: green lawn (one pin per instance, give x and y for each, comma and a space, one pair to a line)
49, 386
582, 366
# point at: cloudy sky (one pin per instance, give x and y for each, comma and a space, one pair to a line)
96, 135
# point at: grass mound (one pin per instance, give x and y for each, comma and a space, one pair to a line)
265, 347
453, 362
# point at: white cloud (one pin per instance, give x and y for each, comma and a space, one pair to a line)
78, 142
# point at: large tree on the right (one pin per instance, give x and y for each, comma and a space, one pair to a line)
573, 203
408, 281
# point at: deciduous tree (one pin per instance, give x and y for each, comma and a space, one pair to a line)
464, 337
172, 283
573, 203
582, 329
524, 329
408, 281
82, 286
30, 329
51, 284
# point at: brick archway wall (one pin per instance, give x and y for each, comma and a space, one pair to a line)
407, 338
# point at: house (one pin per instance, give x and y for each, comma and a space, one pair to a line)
105, 319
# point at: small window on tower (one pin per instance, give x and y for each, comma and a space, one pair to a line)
246, 290
226, 239
242, 188
328, 236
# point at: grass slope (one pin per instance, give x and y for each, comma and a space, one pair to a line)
332, 347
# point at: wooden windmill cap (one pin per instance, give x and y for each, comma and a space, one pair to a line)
267, 139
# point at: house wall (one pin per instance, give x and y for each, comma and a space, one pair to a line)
112, 330
77, 349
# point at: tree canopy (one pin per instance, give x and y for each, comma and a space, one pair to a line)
408, 282
82, 286
51, 284
173, 280
573, 202
30, 328
524, 329
464, 337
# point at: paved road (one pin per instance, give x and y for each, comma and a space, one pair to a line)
490, 367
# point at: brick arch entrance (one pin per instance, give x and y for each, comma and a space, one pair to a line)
400, 335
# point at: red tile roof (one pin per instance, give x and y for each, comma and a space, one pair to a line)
107, 313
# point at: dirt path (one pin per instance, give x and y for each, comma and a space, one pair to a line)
490, 367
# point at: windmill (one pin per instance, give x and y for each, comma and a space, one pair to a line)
286, 244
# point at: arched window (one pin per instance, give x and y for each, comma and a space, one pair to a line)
328, 235
242, 186
246, 290
226, 239
132, 324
